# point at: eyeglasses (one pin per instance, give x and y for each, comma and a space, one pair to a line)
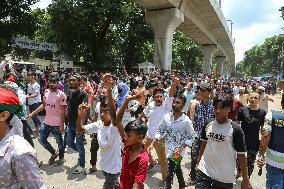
253, 97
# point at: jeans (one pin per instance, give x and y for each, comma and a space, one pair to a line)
78, 146
111, 180
194, 155
174, 169
94, 151
274, 177
251, 157
35, 119
205, 182
45, 130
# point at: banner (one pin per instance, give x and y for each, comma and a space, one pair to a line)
34, 45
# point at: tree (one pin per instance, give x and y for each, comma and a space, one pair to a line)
94, 31
263, 59
16, 20
186, 54
282, 12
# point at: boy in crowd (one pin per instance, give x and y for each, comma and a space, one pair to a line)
252, 120
134, 157
108, 138
34, 98
177, 129
54, 103
77, 96
153, 114
222, 141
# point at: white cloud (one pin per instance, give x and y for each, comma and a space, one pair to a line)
254, 21
255, 34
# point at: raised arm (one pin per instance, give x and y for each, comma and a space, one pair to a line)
109, 83
172, 90
121, 111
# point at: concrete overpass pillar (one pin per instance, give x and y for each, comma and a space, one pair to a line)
208, 52
227, 69
220, 62
164, 23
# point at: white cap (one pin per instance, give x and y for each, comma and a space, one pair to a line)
261, 88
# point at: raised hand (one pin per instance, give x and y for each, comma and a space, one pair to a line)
82, 109
175, 80
136, 96
28, 117
108, 81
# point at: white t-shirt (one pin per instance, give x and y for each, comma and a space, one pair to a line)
34, 88
155, 114
98, 111
219, 157
236, 90
109, 141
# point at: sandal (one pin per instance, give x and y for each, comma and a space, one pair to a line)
90, 171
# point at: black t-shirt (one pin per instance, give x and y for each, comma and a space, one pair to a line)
75, 99
251, 121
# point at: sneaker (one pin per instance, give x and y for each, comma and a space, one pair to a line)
79, 170
150, 167
52, 159
162, 184
59, 162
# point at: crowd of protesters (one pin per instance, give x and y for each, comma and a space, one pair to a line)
128, 115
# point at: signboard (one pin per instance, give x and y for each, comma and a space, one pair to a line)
34, 45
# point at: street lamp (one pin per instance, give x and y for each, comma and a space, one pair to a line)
282, 63
231, 26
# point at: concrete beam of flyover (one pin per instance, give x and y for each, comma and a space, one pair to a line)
204, 23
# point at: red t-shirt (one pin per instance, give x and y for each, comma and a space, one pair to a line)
136, 171
234, 111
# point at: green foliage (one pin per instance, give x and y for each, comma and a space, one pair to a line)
263, 59
101, 33
282, 12
186, 54
16, 20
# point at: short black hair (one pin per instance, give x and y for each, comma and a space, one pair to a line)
158, 90
151, 84
31, 73
225, 100
138, 126
182, 97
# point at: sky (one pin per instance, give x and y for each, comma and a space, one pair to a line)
253, 21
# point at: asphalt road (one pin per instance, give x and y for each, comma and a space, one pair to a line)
61, 177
